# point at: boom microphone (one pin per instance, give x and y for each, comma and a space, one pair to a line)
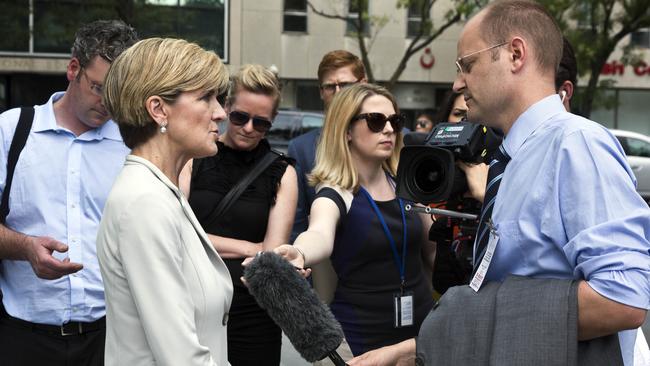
294, 307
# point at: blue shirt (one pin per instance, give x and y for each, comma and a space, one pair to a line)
567, 208
303, 149
59, 189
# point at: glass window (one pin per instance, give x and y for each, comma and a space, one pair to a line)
638, 147
641, 38
357, 8
14, 18
311, 122
295, 16
633, 111
414, 19
55, 22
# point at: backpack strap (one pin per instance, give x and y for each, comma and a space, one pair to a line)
17, 144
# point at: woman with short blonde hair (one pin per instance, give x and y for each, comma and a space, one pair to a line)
259, 219
168, 292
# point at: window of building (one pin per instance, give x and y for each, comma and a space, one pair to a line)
357, 8
641, 38
295, 16
413, 19
54, 22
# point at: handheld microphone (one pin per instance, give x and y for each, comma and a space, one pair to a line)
294, 307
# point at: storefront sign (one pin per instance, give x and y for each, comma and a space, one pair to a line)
617, 68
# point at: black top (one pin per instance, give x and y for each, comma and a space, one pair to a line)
368, 276
247, 219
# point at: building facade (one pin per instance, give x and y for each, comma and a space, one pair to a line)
287, 35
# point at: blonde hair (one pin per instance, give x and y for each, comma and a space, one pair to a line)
163, 67
256, 79
334, 164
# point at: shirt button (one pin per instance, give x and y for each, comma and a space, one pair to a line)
224, 322
73, 205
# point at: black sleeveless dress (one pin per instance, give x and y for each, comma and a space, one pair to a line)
253, 337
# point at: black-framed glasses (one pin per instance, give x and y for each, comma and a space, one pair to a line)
331, 87
463, 68
377, 121
95, 88
239, 118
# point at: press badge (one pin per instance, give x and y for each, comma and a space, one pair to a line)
403, 306
479, 276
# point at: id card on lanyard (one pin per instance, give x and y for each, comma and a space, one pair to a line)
402, 301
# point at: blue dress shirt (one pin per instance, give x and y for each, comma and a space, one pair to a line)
303, 149
59, 189
567, 208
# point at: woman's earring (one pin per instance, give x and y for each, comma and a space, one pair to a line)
163, 128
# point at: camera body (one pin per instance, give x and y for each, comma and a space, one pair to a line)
427, 171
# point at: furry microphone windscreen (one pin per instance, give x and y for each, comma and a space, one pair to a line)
294, 306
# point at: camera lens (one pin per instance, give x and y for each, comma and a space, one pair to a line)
428, 176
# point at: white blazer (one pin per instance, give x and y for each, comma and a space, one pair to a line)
167, 290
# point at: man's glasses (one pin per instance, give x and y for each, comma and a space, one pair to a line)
463, 68
377, 121
331, 87
239, 118
95, 88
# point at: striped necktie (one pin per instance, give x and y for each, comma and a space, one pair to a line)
495, 172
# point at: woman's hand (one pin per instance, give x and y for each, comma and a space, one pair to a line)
295, 257
476, 179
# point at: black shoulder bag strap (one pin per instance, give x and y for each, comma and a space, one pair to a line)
236, 191
17, 145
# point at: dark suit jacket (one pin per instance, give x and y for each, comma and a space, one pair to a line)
303, 149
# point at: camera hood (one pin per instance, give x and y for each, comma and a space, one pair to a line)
425, 174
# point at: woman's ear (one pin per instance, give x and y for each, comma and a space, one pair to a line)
157, 109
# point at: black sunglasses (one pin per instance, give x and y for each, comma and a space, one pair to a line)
239, 118
377, 121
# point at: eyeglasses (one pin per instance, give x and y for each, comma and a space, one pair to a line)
463, 68
239, 118
422, 123
377, 121
331, 87
95, 88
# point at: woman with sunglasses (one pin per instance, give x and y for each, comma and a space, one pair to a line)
375, 246
260, 219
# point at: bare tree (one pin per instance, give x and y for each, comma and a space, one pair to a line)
426, 33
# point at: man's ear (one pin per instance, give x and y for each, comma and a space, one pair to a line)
73, 69
157, 109
568, 88
518, 53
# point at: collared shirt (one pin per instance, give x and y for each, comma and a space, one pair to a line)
59, 189
567, 208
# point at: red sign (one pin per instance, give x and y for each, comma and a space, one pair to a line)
427, 60
617, 68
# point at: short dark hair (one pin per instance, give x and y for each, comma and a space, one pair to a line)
337, 59
568, 69
504, 19
104, 38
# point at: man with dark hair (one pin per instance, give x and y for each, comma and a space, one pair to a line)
68, 156
337, 70
567, 75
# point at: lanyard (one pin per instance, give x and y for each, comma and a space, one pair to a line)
401, 264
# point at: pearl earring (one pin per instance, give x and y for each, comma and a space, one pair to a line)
163, 128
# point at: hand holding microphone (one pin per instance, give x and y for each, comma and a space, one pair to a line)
294, 307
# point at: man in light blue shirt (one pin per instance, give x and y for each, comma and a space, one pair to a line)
566, 206
49, 274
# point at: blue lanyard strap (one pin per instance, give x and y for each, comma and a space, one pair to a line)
401, 264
